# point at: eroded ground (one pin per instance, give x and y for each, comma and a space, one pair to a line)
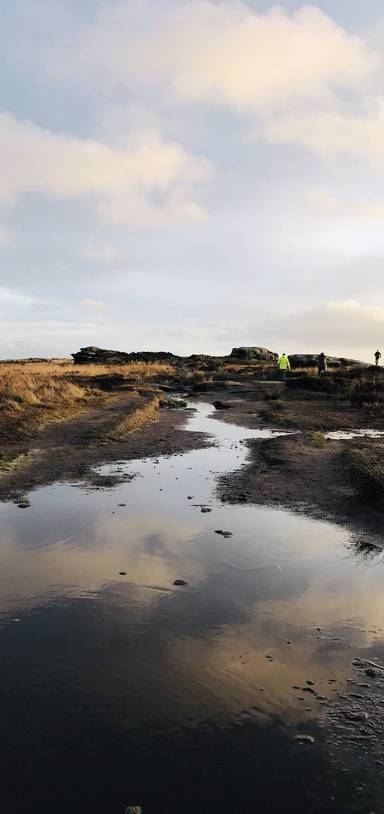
303, 470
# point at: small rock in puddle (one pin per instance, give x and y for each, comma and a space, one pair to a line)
304, 738
371, 672
356, 716
223, 533
180, 582
23, 504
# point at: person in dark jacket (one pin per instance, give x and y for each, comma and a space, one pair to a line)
377, 357
321, 364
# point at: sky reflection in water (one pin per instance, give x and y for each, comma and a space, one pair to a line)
144, 652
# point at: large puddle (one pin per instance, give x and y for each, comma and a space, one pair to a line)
122, 689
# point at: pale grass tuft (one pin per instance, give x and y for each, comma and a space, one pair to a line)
137, 418
19, 390
51, 384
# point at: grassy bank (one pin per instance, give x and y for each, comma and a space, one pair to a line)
140, 414
365, 468
33, 394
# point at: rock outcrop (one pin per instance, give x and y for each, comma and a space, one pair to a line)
252, 354
93, 355
307, 360
101, 356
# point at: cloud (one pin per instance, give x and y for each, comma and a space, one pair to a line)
140, 212
9, 296
321, 203
44, 337
6, 236
332, 134
119, 181
223, 53
95, 305
341, 327
300, 78
103, 254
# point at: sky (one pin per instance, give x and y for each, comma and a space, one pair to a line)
191, 175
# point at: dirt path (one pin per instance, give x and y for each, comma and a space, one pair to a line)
70, 448
305, 472
302, 472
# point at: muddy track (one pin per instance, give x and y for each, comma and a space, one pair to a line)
293, 472
70, 448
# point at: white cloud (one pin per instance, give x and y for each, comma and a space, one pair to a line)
342, 327
95, 305
323, 204
6, 236
104, 254
140, 212
64, 167
300, 78
223, 53
9, 296
333, 133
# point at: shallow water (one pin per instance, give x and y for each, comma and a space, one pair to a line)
120, 690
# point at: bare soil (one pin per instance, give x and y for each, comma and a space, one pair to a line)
302, 472
69, 449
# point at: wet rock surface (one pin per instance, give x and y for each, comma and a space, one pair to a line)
306, 739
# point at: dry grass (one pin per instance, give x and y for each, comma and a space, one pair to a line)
139, 416
19, 390
48, 384
317, 439
308, 371
366, 465
33, 394
59, 369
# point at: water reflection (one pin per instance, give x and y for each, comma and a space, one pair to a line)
281, 603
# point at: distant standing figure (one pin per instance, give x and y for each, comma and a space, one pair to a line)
321, 364
284, 365
377, 357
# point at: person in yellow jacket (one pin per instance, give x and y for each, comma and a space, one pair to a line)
284, 365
